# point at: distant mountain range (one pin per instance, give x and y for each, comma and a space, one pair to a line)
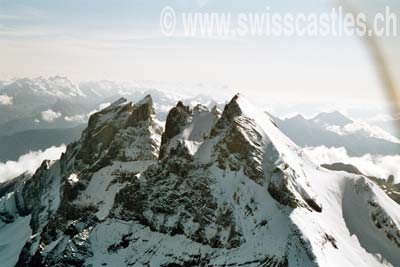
70, 104
42, 104
46, 105
337, 130
44, 112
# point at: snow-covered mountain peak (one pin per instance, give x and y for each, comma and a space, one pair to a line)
187, 125
232, 109
332, 118
248, 139
147, 100
123, 130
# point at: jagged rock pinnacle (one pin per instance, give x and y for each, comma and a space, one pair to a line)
232, 109
142, 111
176, 119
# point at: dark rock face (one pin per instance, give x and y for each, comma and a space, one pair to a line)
241, 145
101, 130
115, 131
109, 136
40, 202
177, 118
173, 191
278, 188
338, 166
143, 111
10, 215
232, 110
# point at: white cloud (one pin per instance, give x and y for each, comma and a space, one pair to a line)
80, 118
104, 105
85, 117
6, 100
29, 162
50, 115
362, 128
372, 165
381, 118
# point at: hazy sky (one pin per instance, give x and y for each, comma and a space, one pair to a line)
121, 40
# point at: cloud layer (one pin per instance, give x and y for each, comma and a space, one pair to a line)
28, 162
50, 115
372, 165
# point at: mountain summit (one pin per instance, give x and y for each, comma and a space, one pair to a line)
215, 188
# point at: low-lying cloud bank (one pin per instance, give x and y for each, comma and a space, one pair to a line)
29, 162
372, 165
50, 115
84, 117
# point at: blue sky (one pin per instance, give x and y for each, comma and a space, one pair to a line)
133, 16
121, 40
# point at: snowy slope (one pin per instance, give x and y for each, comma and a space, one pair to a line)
211, 189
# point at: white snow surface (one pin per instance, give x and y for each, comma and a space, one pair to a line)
13, 238
331, 191
197, 129
101, 191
